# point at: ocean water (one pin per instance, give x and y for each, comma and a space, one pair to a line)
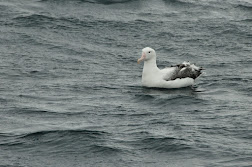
71, 94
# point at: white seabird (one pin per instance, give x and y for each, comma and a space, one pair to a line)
181, 75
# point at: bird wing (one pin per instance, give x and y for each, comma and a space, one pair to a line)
184, 70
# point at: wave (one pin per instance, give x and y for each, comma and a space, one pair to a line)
162, 144
105, 2
34, 20
85, 142
173, 3
178, 97
88, 133
30, 110
11, 165
52, 141
46, 21
91, 142
247, 20
245, 6
180, 3
70, 23
105, 149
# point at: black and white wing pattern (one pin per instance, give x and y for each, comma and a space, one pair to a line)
185, 70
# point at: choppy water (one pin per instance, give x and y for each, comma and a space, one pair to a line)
71, 94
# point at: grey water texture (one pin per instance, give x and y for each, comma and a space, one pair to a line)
71, 93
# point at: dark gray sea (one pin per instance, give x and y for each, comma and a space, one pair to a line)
70, 85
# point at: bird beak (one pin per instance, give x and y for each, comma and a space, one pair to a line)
141, 59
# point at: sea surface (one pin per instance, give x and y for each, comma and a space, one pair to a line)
70, 85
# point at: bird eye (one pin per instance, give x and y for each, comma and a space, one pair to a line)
149, 51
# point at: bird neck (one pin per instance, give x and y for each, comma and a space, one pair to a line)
151, 65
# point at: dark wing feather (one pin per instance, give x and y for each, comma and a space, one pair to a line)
184, 71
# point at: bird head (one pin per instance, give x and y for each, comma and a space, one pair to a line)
147, 54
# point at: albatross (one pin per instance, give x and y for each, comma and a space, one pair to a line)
178, 76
